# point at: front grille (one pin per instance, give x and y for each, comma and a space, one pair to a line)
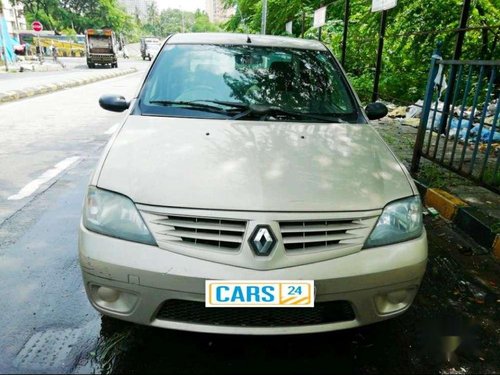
324, 234
224, 234
196, 312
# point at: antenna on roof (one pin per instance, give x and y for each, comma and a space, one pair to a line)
248, 39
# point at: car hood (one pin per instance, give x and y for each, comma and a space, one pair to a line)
256, 166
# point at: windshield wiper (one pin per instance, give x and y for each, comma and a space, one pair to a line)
225, 103
193, 105
263, 110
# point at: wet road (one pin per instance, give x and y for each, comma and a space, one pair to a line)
47, 324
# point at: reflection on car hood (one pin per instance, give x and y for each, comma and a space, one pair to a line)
258, 166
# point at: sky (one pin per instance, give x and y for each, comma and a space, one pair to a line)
190, 5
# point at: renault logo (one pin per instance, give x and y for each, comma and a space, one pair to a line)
262, 240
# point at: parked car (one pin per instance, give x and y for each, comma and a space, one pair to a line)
249, 157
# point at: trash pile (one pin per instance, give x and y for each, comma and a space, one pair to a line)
464, 120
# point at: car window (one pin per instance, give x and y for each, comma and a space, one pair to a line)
306, 81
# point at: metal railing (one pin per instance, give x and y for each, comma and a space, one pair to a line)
461, 131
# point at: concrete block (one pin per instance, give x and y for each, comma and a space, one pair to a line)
496, 247
444, 202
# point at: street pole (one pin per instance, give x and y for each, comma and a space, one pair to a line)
4, 52
263, 24
39, 49
383, 23
303, 23
319, 28
347, 11
464, 18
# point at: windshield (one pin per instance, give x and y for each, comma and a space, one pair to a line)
302, 81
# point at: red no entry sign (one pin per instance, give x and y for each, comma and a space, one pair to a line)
37, 26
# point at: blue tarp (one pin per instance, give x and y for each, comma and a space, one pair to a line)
6, 41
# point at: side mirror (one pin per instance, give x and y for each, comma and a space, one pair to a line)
114, 103
374, 111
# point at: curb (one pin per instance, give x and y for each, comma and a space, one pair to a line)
468, 219
14, 95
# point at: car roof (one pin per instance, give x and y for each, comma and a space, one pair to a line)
242, 39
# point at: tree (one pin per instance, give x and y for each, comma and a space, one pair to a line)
169, 21
77, 15
413, 29
202, 23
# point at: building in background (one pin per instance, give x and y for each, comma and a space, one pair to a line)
216, 11
137, 8
14, 17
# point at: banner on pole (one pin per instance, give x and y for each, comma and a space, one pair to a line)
380, 5
319, 17
288, 27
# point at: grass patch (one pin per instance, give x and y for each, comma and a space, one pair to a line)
436, 176
490, 177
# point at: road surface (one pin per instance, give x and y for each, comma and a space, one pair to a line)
49, 146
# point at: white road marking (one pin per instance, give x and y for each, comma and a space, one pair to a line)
33, 186
112, 129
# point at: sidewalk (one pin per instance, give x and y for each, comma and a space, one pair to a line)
15, 86
473, 209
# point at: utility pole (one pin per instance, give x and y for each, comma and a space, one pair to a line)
383, 23
347, 13
263, 24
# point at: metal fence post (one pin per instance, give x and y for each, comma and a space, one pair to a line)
429, 91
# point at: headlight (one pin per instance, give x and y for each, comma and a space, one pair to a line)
400, 221
114, 215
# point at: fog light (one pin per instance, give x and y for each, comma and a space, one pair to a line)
395, 300
108, 294
397, 296
111, 299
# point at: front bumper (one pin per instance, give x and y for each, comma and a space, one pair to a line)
97, 58
146, 277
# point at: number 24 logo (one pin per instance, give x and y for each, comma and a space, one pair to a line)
294, 290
